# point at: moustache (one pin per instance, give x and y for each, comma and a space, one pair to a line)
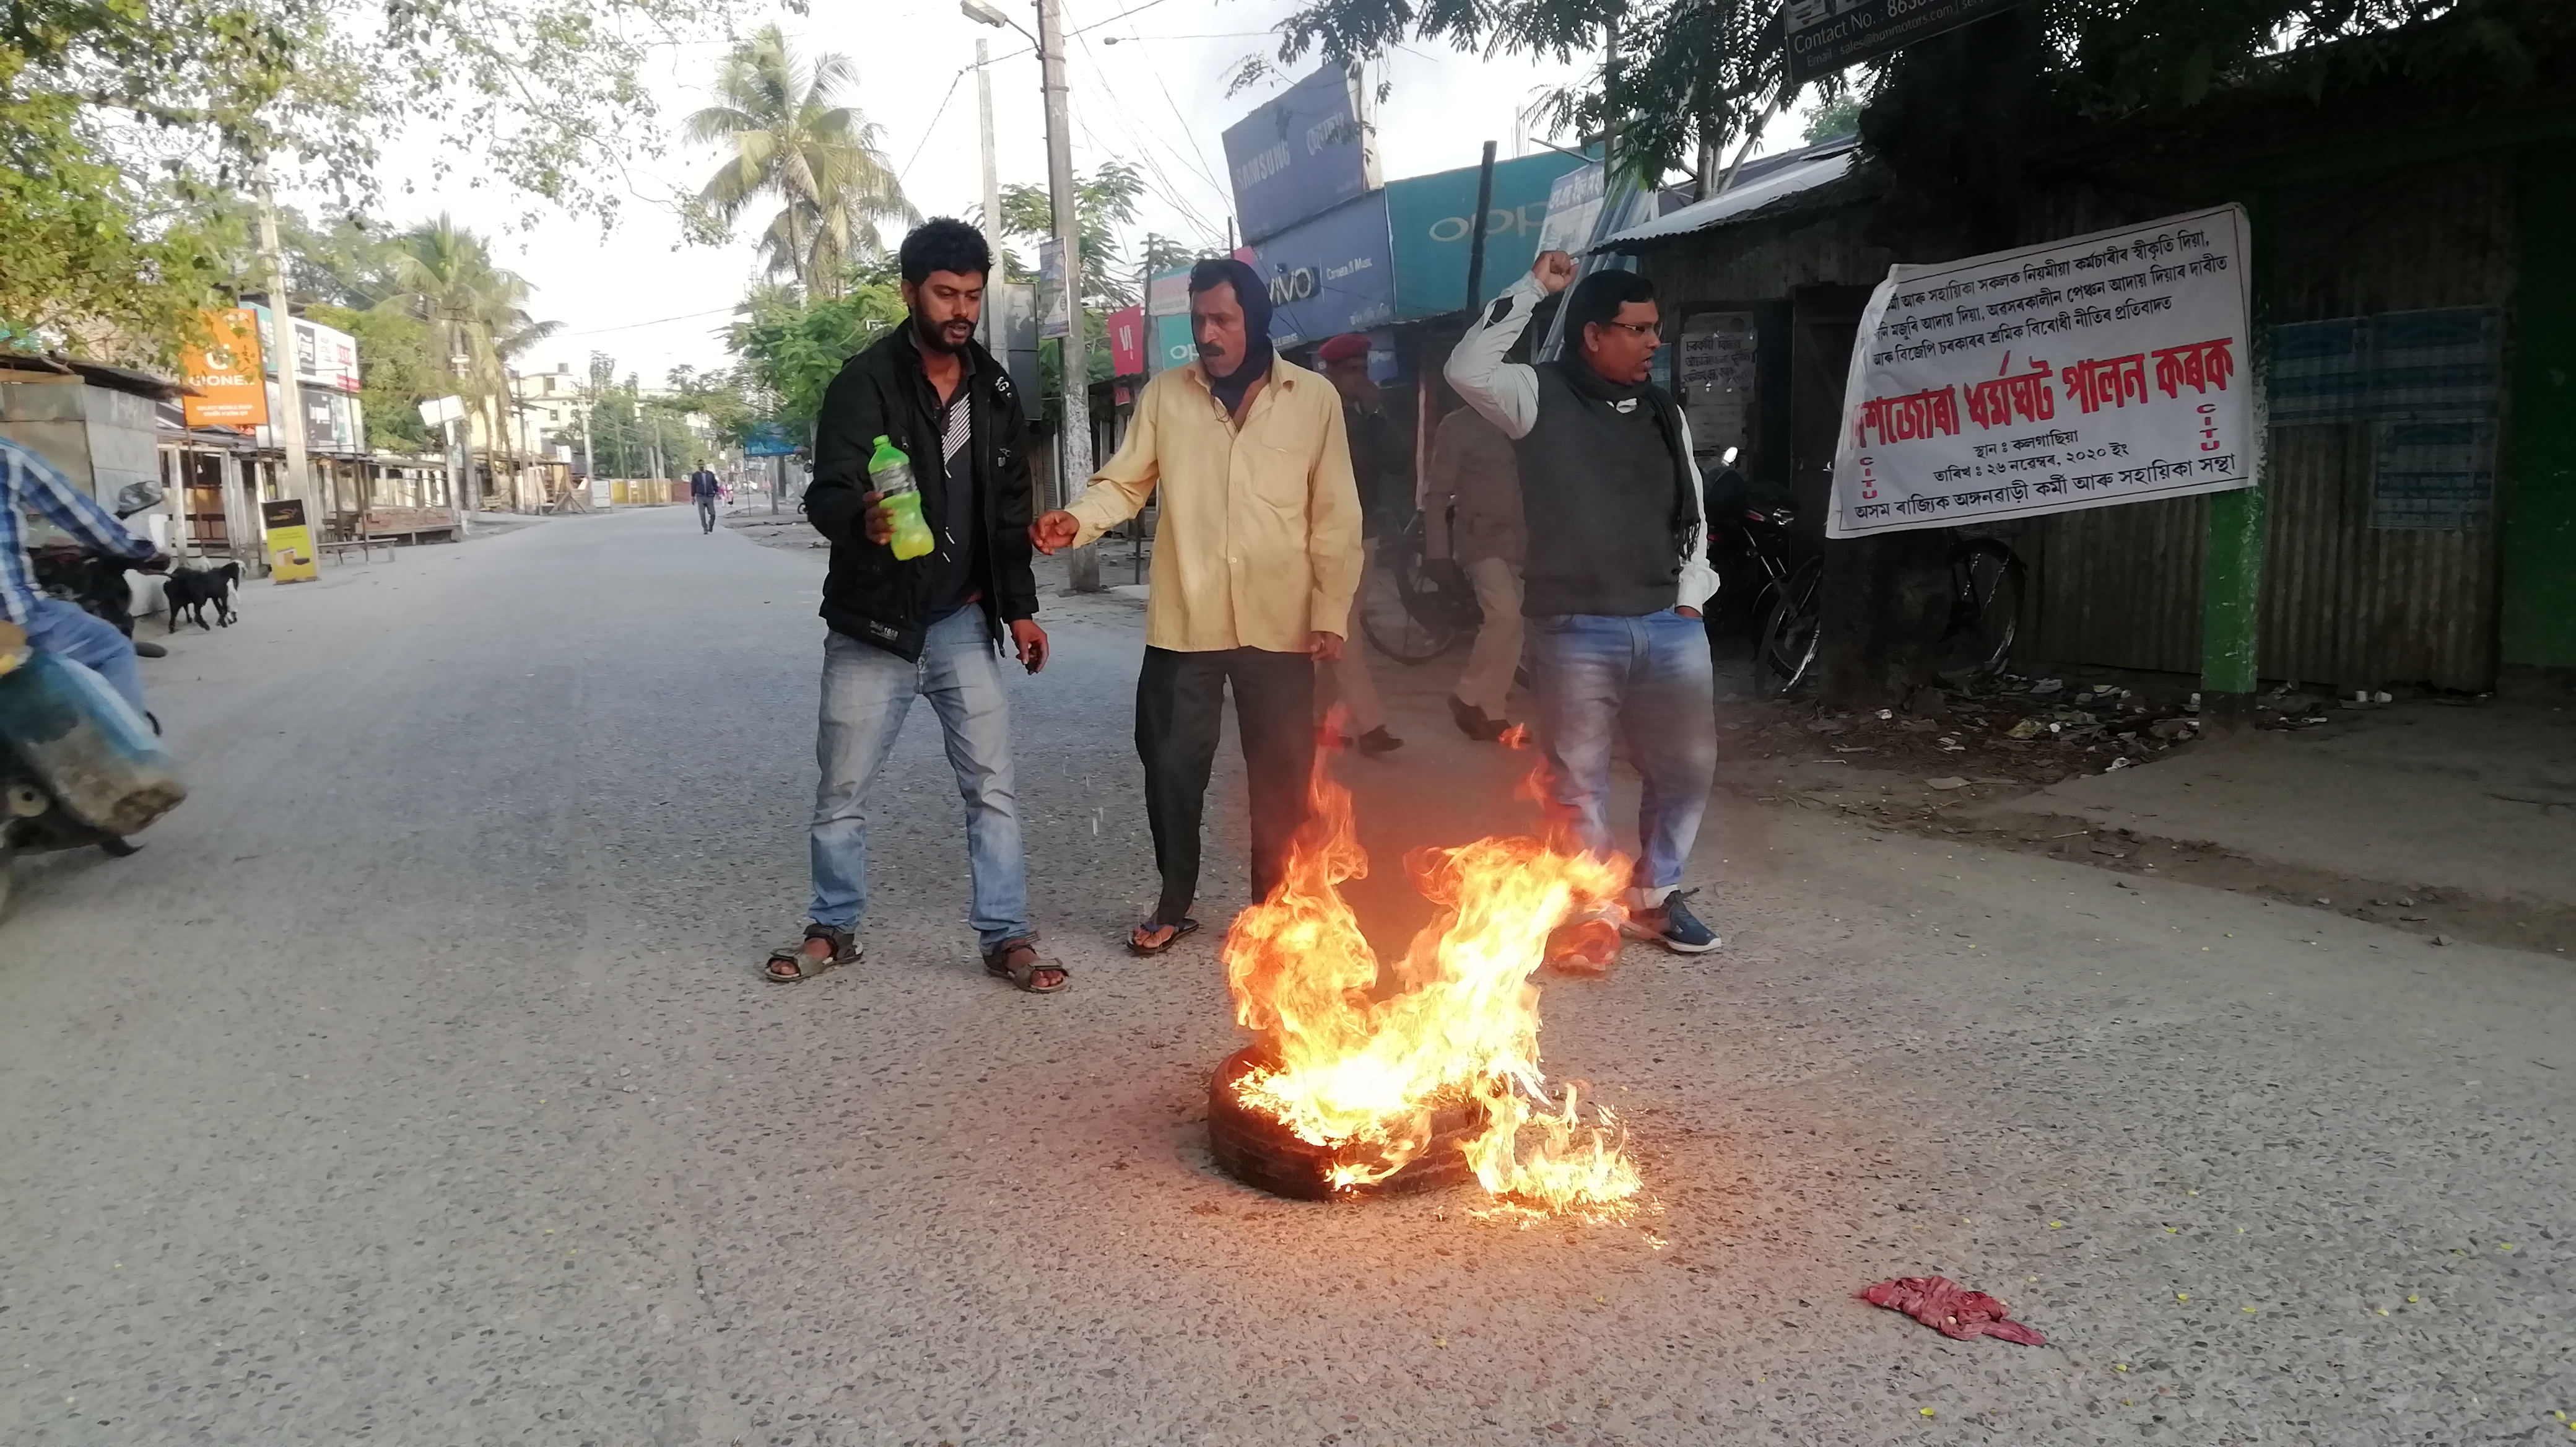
1211, 349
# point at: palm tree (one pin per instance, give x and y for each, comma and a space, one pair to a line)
789, 137
443, 274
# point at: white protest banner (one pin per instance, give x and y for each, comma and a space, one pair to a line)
2101, 369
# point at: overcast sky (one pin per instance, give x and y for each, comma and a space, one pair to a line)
1156, 97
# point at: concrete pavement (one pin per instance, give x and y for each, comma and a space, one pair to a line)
415, 1085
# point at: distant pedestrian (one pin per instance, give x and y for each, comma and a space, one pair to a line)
929, 626
1382, 471
704, 489
1614, 571
1475, 472
1255, 564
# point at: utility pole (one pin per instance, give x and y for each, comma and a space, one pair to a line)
994, 341
286, 422
589, 467
464, 489
1075, 412
456, 480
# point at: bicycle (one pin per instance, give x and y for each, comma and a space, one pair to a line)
1416, 607
1749, 547
1987, 581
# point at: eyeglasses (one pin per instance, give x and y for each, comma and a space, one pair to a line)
1640, 330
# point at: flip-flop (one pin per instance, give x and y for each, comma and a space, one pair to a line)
1180, 931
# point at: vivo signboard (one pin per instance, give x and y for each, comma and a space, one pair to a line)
1432, 221
1331, 274
1299, 154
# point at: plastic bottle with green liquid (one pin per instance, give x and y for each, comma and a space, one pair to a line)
890, 473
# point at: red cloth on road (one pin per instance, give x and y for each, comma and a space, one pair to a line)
1950, 1309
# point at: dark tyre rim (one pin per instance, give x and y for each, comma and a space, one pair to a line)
1258, 1150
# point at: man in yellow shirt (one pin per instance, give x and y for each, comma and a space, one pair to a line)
1256, 558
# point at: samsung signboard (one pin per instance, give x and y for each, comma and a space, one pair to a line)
1330, 274
1300, 154
1432, 221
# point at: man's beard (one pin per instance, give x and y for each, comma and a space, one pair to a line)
936, 338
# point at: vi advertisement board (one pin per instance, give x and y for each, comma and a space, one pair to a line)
1432, 224
1300, 153
1127, 342
1330, 274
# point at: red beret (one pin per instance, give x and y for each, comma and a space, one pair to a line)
1342, 348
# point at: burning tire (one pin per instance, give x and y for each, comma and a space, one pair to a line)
1257, 1149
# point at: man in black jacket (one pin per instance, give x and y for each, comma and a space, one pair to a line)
704, 487
931, 625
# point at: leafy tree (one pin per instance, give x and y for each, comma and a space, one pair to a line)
792, 347
475, 312
78, 265
1837, 117
1692, 76
1103, 201
120, 120
718, 395
788, 136
397, 370
1165, 253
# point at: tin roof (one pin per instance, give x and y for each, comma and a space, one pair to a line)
1759, 186
96, 374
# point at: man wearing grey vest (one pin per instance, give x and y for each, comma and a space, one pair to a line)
1615, 571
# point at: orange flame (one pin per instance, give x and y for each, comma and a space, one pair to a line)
1367, 1074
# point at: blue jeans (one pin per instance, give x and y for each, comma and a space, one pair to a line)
73, 632
866, 692
1596, 677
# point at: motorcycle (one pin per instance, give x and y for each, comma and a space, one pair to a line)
78, 765
95, 581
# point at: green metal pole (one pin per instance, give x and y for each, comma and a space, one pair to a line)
2536, 517
2231, 599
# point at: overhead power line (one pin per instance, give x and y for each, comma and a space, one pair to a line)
657, 321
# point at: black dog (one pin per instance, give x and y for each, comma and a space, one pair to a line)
191, 589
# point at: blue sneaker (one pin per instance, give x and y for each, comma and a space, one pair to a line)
1673, 926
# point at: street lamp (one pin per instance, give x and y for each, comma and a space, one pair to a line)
1083, 565
982, 12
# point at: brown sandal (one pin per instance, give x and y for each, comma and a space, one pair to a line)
845, 951
1019, 962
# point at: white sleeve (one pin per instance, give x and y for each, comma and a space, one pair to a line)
1698, 580
1506, 393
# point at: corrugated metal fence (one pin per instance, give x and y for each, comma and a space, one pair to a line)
2344, 602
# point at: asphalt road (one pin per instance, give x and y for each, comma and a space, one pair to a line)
415, 1086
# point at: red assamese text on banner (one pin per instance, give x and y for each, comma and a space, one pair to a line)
2100, 369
